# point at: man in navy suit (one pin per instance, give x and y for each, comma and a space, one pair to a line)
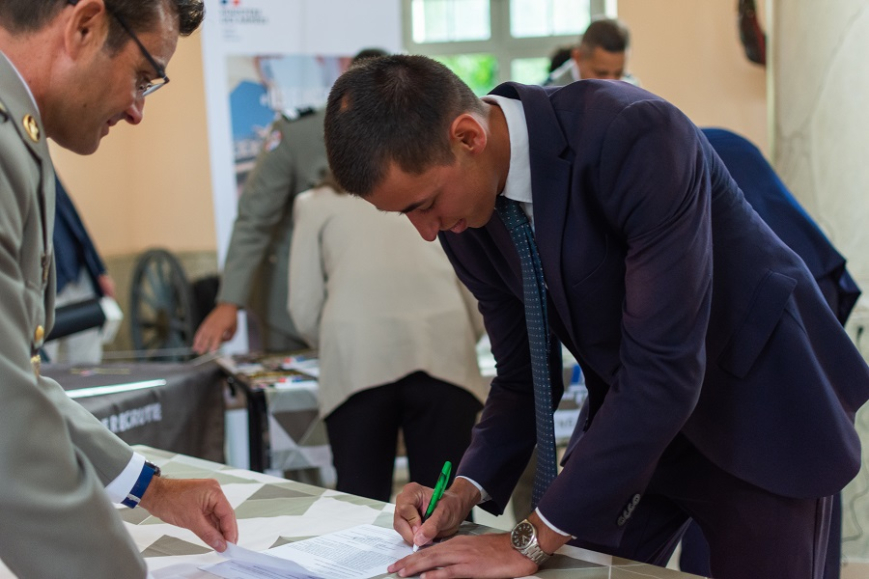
769, 196
721, 387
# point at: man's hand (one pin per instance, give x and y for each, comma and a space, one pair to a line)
483, 556
107, 285
218, 327
195, 504
451, 510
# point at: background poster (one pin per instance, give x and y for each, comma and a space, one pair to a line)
261, 87
262, 57
265, 56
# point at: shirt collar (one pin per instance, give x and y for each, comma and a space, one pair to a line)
518, 184
21, 78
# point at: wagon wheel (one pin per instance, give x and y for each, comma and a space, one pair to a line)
161, 313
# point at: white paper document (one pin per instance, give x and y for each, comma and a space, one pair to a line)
304, 364
356, 553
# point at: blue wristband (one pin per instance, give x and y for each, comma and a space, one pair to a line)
149, 471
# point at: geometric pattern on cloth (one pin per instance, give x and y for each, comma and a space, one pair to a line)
297, 424
134, 516
276, 492
537, 323
173, 547
168, 555
260, 509
360, 501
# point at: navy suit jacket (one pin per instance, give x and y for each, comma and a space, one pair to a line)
768, 196
685, 311
73, 248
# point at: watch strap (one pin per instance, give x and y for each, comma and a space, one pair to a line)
532, 550
535, 553
149, 471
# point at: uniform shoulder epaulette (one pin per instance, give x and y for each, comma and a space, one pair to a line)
306, 111
291, 115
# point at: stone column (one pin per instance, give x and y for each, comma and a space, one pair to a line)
819, 110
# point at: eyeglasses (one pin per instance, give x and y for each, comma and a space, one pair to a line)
148, 87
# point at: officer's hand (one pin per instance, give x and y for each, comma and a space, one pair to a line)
195, 504
218, 327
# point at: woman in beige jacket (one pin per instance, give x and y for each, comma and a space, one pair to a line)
396, 334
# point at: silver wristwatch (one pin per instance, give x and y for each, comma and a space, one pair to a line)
523, 537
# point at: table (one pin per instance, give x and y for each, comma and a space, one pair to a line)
273, 511
285, 432
175, 406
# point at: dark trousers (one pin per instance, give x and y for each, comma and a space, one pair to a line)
751, 532
694, 557
435, 417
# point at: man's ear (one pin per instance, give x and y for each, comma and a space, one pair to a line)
576, 54
468, 133
86, 28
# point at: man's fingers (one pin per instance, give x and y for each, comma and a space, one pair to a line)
210, 535
226, 520
408, 504
197, 343
406, 521
427, 532
424, 560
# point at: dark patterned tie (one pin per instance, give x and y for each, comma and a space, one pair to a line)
534, 290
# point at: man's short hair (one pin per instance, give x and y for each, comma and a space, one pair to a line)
393, 108
366, 53
21, 16
610, 34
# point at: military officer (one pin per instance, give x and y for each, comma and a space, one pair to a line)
71, 70
255, 274
292, 160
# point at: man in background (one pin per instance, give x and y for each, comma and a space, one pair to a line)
602, 54
292, 160
71, 70
81, 275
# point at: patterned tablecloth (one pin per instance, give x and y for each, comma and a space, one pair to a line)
283, 403
273, 511
294, 437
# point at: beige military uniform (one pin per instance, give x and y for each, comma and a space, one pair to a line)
292, 160
55, 457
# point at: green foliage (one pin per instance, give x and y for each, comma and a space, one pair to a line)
478, 71
529, 70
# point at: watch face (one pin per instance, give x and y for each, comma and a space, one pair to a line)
522, 535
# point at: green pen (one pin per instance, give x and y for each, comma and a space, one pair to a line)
439, 489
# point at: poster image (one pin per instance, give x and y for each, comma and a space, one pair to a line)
262, 87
